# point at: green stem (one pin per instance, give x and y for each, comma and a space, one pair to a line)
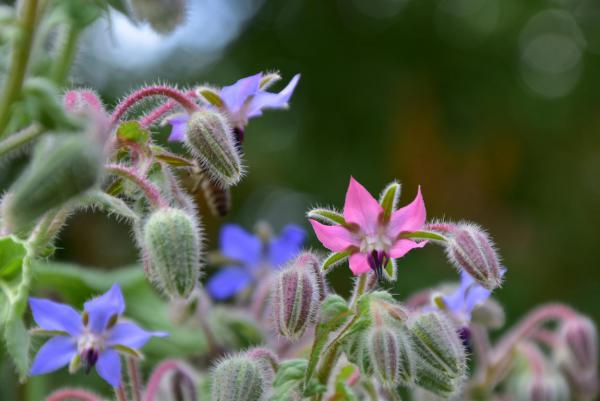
19, 61
47, 229
359, 289
62, 65
20, 138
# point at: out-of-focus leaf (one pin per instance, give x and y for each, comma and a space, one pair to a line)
12, 252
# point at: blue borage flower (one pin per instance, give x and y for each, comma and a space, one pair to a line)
91, 339
241, 101
250, 253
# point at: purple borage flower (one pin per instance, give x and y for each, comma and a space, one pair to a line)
91, 339
250, 255
465, 298
243, 100
370, 238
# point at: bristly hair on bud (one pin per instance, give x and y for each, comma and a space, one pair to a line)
470, 248
309, 261
210, 139
172, 243
440, 354
391, 356
238, 378
294, 300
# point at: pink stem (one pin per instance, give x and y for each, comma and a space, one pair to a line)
167, 91
161, 110
534, 357
66, 394
441, 227
149, 189
120, 393
157, 375
134, 377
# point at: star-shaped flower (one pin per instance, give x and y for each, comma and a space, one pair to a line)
243, 100
91, 339
370, 235
465, 298
249, 254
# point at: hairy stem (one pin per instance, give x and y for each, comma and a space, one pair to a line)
360, 285
19, 60
134, 379
157, 375
120, 393
70, 394
150, 190
64, 59
20, 138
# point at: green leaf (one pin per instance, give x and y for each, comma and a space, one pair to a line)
132, 131
171, 159
389, 198
333, 260
17, 344
326, 216
12, 253
288, 380
109, 204
427, 235
339, 382
390, 270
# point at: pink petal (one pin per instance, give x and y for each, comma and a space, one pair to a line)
359, 264
361, 208
409, 218
402, 246
334, 238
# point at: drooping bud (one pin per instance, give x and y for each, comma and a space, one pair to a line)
294, 300
489, 314
578, 355
440, 355
62, 167
210, 139
82, 101
238, 378
390, 355
172, 244
546, 386
312, 263
469, 248
162, 15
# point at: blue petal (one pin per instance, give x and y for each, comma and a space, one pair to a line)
131, 335
51, 315
102, 308
227, 282
56, 353
286, 245
178, 127
235, 95
239, 244
268, 100
109, 367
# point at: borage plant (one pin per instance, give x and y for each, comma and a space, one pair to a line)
283, 333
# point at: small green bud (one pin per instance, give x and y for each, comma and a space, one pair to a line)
210, 139
62, 167
162, 15
172, 242
440, 354
390, 355
238, 378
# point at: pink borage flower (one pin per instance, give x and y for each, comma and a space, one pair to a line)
370, 233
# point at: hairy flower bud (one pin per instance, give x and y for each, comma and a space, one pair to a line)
238, 378
312, 263
62, 167
489, 314
390, 355
546, 386
469, 248
294, 300
172, 244
210, 138
162, 15
440, 355
578, 355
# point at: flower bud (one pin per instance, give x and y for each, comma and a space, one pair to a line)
210, 139
469, 248
546, 386
172, 244
440, 355
82, 101
390, 355
238, 378
294, 301
162, 15
578, 355
62, 167
310, 261
489, 314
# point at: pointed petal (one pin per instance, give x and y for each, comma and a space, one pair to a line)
101, 309
131, 335
51, 315
359, 264
56, 353
286, 245
235, 95
237, 243
402, 246
109, 367
227, 282
334, 238
178, 127
361, 208
267, 100
409, 218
